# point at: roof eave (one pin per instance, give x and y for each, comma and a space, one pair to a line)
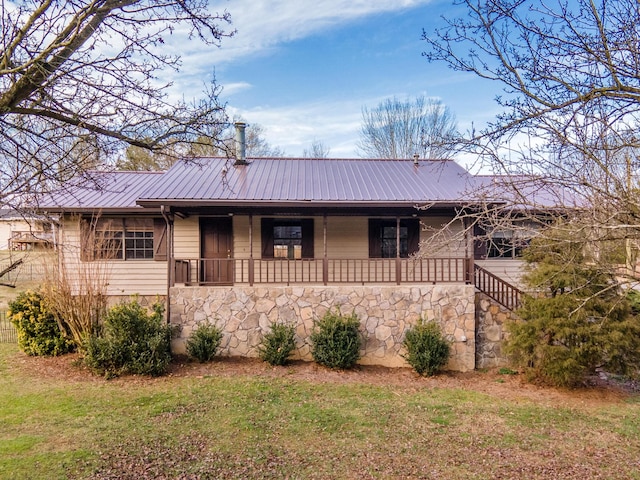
186, 203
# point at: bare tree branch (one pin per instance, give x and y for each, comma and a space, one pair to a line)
90, 70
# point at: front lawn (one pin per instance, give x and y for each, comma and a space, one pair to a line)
270, 422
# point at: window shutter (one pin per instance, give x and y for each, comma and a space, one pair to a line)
375, 247
266, 231
86, 241
413, 236
307, 238
159, 239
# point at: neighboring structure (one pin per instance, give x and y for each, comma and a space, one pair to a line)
21, 231
248, 242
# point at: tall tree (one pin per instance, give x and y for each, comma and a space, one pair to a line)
317, 150
401, 129
90, 69
571, 105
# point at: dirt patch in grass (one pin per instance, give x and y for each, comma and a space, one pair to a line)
599, 391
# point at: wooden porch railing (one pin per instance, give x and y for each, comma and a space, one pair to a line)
225, 271
496, 288
21, 238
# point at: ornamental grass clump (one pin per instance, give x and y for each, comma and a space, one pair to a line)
335, 340
278, 344
427, 349
132, 340
38, 331
204, 342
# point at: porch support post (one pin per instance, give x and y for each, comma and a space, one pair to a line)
468, 252
171, 269
251, 272
325, 260
398, 263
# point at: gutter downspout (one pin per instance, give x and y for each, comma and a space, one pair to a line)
170, 271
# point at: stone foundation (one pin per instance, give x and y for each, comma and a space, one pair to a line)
490, 332
385, 312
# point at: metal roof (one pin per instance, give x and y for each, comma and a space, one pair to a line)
101, 191
270, 181
216, 181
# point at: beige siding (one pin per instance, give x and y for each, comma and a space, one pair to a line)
441, 237
347, 237
186, 235
508, 269
143, 277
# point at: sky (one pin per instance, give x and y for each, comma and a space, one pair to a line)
304, 69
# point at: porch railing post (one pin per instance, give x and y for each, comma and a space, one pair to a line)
325, 260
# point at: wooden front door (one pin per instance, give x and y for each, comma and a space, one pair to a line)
216, 245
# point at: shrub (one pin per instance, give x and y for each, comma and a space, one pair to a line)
335, 340
427, 349
38, 331
577, 323
132, 341
204, 342
278, 344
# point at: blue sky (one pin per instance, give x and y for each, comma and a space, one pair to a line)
304, 69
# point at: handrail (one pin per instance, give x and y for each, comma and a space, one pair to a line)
497, 288
194, 271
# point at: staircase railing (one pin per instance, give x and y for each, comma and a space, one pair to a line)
496, 288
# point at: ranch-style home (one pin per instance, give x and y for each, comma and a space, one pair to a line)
247, 242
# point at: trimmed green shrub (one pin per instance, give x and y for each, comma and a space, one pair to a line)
132, 341
427, 350
278, 344
335, 341
204, 342
38, 331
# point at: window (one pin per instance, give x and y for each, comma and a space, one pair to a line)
123, 239
500, 243
283, 238
383, 238
506, 247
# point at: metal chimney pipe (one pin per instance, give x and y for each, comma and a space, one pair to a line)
241, 158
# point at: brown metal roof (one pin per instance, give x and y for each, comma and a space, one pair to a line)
101, 191
270, 181
320, 181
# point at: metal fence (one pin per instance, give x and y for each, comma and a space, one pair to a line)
26, 272
7, 330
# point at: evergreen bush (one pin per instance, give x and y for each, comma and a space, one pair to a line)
335, 340
278, 344
204, 342
37, 329
132, 340
427, 350
578, 322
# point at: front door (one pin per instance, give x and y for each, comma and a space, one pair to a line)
216, 245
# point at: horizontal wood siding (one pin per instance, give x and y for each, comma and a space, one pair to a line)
508, 269
143, 277
186, 237
440, 238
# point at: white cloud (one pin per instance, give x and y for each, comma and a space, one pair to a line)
263, 24
294, 128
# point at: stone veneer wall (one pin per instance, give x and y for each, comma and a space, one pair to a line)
490, 332
385, 313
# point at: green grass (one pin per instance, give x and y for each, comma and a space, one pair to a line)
253, 427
